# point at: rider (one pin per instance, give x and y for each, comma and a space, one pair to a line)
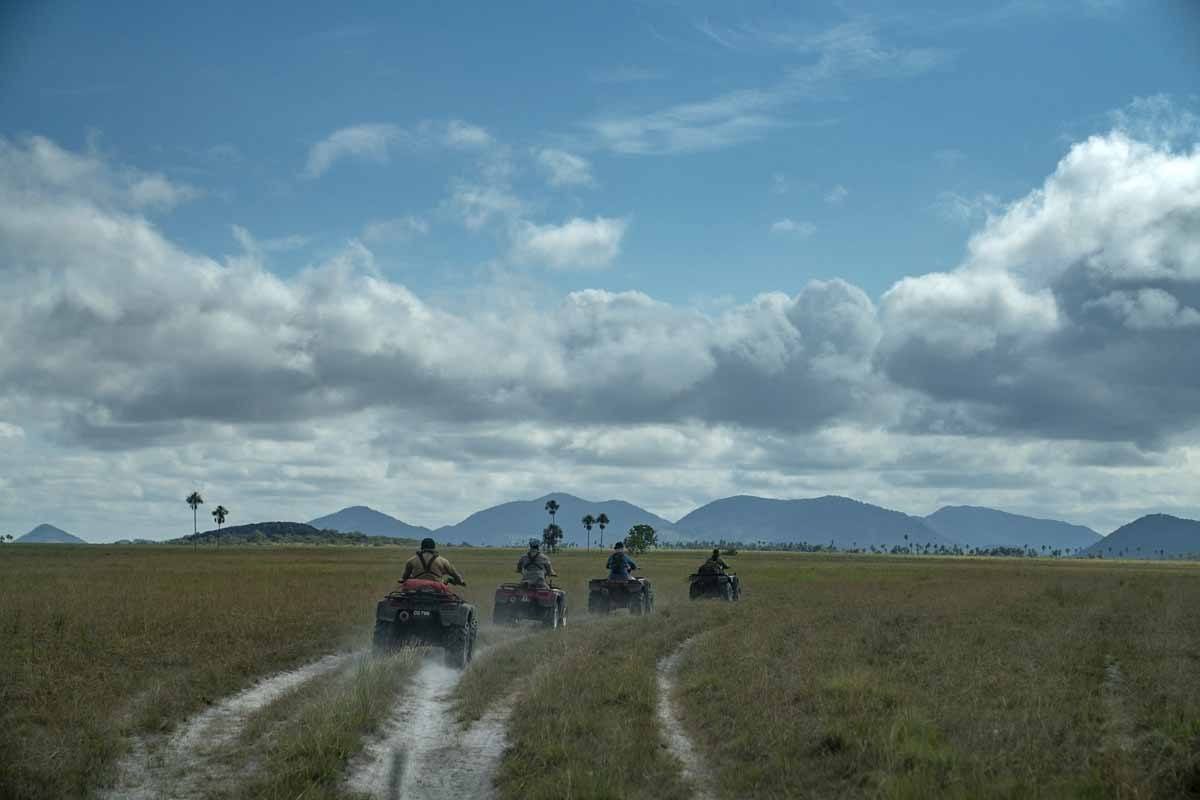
428, 565
714, 565
619, 564
534, 567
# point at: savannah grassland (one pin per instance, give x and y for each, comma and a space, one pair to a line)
835, 676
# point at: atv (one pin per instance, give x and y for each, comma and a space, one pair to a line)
722, 585
427, 613
606, 595
516, 602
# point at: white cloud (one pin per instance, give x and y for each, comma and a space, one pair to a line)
779, 183
837, 195
478, 204
791, 227
574, 244
1021, 379
963, 210
1148, 309
39, 162
564, 169
850, 51
467, 136
397, 229
369, 141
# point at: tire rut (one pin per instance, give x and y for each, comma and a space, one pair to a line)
677, 739
185, 765
422, 754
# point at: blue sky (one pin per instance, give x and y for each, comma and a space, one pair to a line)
433, 257
971, 99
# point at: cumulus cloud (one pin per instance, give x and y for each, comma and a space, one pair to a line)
577, 243
1073, 313
38, 165
1052, 370
564, 169
837, 195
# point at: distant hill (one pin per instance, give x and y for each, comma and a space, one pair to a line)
986, 527
1152, 536
366, 520
516, 522
283, 533
48, 534
845, 522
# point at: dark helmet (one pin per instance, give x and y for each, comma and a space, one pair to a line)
535, 544
716, 553
620, 545
428, 544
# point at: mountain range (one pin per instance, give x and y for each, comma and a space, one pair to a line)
841, 521
521, 520
973, 526
845, 522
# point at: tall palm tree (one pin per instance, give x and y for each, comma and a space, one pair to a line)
219, 514
588, 521
195, 501
552, 509
602, 521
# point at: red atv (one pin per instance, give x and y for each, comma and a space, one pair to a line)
515, 602
427, 613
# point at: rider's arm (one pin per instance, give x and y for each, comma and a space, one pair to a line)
453, 572
407, 571
631, 563
549, 567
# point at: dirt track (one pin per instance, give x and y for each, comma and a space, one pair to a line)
421, 754
184, 766
680, 744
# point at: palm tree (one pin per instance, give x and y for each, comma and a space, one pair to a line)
219, 514
588, 521
602, 521
552, 509
195, 501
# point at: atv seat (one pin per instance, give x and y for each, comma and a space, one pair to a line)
424, 586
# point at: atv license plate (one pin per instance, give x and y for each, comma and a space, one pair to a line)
421, 613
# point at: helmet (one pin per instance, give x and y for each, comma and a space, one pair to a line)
428, 544
620, 545
535, 544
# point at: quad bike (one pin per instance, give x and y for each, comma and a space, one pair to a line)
606, 595
516, 602
427, 613
722, 585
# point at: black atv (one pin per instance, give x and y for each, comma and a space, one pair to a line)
606, 595
515, 602
427, 613
717, 585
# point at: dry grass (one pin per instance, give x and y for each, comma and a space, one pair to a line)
836, 675
100, 642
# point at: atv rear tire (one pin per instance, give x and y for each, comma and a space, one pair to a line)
553, 617
384, 638
727, 592
501, 616
637, 605
459, 644
597, 603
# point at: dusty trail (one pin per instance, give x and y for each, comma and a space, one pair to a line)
186, 764
678, 742
422, 755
